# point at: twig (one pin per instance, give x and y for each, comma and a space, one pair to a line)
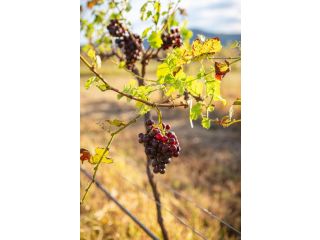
157, 199
113, 134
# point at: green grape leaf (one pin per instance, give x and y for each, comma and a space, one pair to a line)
155, 40
213, 89
195, 111
145, 32
206, 122
128, 7
112, 4
90, 81
144, 14
91, 54
102, 86
157, 8
143, 108
163, 70
170, 91
196, 87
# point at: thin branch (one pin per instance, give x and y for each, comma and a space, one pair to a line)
113, 134
157, 199
156, 194
109, 87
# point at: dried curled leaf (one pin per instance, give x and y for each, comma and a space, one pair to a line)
85, 155
221, 69
116, 122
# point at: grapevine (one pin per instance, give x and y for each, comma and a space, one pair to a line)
110, 36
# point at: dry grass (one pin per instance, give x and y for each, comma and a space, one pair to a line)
207, 171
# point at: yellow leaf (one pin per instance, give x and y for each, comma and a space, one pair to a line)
163, 70
101, 154
206, 48
91, 54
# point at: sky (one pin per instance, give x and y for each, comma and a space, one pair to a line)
216, 16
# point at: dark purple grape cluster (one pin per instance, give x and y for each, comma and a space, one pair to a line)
115, 28
131, 44
172, 39
160, 144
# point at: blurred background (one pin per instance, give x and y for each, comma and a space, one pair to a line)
207, 171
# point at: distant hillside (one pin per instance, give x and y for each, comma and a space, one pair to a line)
225, 38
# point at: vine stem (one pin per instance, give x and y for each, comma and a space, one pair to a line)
109, 87
113, 134
150, 175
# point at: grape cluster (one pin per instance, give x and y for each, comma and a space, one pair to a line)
172, 39
131, 44
160, 145
115, 28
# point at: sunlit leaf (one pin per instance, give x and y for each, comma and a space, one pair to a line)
163, 70
145, 32
157, 8
195, 111
91, 54
100, 154
90, 81
155, 40
144, 14
102, 86
206, 122
213, 89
